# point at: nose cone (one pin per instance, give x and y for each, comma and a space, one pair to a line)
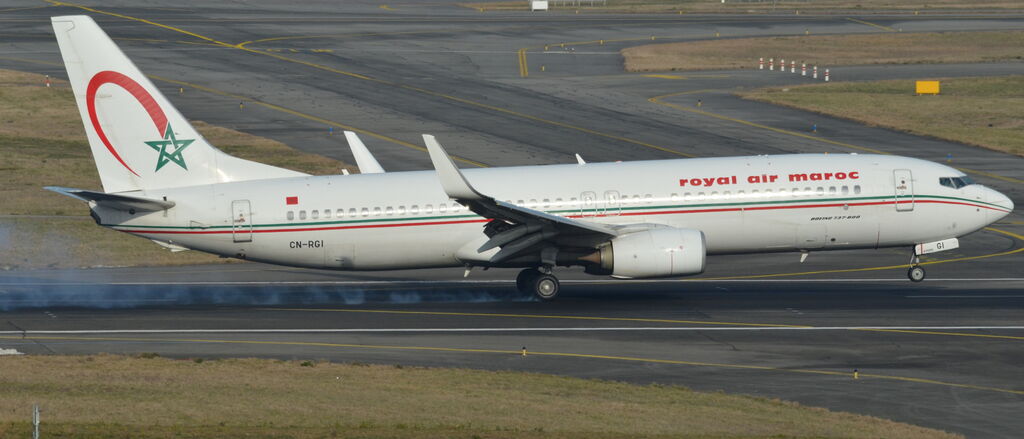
1004, 203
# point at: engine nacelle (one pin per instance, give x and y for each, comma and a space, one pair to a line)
655, 253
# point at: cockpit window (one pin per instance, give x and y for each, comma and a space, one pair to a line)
955, 182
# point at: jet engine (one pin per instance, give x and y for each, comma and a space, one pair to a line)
659, 252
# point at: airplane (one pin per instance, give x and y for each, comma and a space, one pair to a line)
630, 220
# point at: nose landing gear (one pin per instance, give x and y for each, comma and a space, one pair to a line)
539, 282
915, 273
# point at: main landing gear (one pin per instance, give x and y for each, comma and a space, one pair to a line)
539, 282
915, 273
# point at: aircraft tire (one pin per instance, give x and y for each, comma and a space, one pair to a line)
545, 287
524, 280
916, 273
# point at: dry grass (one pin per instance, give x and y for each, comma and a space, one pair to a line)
76, 241
829, 50
734, 7
42, 143
986, 112
161, 398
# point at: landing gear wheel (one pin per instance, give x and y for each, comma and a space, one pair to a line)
915, 273
545, 287
525, 279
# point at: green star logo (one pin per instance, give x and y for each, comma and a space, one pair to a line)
175, 146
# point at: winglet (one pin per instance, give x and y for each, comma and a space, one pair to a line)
452, 180
579, 160
364, 160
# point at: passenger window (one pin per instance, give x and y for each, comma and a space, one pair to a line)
846, 190
700, 196
714, 195
856, 189
808, 192
316, 214
831, 190
376, 211
365, 212
302, 214
352, 212
327, 213
533, 202
428, 209
687, 197
572, 201
727, 195
520, 203
782, 192
442, 208
401, 210
291, 215
648, 199
389, 211
546, 203
821, 191
674, 197
414, 209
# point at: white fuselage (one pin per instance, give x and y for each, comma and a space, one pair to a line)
742, 205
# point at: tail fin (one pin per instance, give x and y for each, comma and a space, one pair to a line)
138, 139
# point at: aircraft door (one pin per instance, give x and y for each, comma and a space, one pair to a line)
904, 189
588, 204
612, 203
241, 221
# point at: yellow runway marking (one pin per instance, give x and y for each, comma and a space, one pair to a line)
872, 24
309, 117
955, 334
533, 316
524, 71
659, 100
408, 87
519, 353
665, 76
888, 267
152, 23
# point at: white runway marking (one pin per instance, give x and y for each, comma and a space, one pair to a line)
10, 352
478, 330
492, 281
966, 296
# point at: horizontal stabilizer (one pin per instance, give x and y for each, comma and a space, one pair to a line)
367, 164
114, 201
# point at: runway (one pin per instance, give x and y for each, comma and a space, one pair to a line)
944, 353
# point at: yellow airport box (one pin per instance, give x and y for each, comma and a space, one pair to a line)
927, 87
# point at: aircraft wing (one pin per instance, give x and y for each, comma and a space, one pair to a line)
114, 201
527, 227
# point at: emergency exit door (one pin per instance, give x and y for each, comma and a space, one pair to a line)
241, 221
904, 189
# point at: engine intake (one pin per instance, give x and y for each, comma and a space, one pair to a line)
653, 253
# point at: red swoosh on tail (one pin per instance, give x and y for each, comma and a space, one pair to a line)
110, 77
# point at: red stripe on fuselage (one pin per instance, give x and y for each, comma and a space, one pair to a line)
666, 212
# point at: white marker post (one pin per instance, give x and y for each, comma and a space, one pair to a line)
782, 65
803, 69
815, 76
771, 63
826, 75
760, 63
792, 67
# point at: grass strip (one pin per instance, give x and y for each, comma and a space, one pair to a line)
152, 397
42, 141
828, 50
984, 112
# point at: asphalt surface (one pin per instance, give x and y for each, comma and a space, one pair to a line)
944, 353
